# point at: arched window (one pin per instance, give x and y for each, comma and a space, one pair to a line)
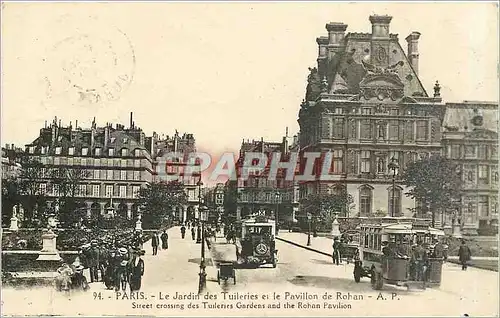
394, 202
365, 200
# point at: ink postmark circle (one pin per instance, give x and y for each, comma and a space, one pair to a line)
95, 64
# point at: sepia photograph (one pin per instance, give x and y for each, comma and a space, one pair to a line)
249, 159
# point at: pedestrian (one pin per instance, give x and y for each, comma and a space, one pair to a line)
137, 271
183, 231
154, 243
464, 255
438, 250
164, 239
93, 261
193, 236
336, 251
159, 240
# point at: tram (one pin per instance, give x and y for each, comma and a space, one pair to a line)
396, 252
255, 244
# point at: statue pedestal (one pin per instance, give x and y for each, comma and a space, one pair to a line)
335, 228
14, 226
49, 250
447, 230
456, 231
138, 225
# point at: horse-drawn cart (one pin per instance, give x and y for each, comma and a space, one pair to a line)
225, 272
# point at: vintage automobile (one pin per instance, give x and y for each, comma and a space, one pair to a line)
255, 244
393, 263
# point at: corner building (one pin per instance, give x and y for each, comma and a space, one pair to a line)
365, 104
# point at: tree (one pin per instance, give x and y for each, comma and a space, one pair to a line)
10, 197
158, 199
31, 195
436, 182
322, 206
68, 180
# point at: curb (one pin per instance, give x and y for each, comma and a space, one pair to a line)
304, 247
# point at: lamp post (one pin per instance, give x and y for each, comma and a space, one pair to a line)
198, 233
277, 194
309, 232
203, 274
393, 165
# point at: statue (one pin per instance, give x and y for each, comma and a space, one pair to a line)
373, 69
324, 85
437, 89
313, 84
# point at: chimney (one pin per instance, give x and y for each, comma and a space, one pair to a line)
336, 31
322, 47
45, 124
412, 40
106, 136
76, 124
380, 26
131, 120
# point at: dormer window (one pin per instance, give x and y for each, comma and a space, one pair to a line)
97, 151
44, 150
85, 151
111, 152
137, 152
71, 151
58, 150
113, 139
125, 140
31, 149
124, 152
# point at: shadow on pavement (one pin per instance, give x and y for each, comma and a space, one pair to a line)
322, 261
338, 283
208, 261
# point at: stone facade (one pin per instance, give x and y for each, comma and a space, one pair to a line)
470, 138
214, 199
365, 105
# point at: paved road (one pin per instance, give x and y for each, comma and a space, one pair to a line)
299, 271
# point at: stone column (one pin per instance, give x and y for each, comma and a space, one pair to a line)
184, 214
49, 251
129, 210
103, 207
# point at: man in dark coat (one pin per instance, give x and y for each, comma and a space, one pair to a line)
336, 251
464, 255
137, 271
93, 262
164, 240
154, 243
193, 233
183, 231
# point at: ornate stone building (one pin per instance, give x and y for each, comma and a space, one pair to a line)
366, 106
470, 137
175, 169
11, 166
116, 159
214, 199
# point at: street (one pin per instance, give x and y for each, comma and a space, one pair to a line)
300, 274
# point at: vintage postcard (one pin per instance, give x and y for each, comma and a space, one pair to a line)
223, 159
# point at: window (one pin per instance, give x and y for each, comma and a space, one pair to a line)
394, 202
394, 129
44, 150
123, 163
71, 151
123, 175
365, 201
455, 151
97, 151
43, 188
57, 160
483, 173
84, 161
137, 163
470, 151
338, 128
85, 151
58, 150
394, 111
70, 161
483, 205
95, 190
365, 161
82, 190
494, 153
338, 161
111, 152
422, 131
109, 191
123, 191
494, 205
366, 129
109, 174
339, 110
137, 175
96, 174
97, 162
137, 152
409, 130
55, 189
366, 111
135, 191
482, 151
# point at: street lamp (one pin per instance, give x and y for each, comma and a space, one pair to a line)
198, 232
276, 213
309, 217
393, 165
203, 274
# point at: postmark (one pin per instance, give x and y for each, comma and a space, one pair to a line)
93, 64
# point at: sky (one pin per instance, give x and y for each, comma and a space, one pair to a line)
221, 71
